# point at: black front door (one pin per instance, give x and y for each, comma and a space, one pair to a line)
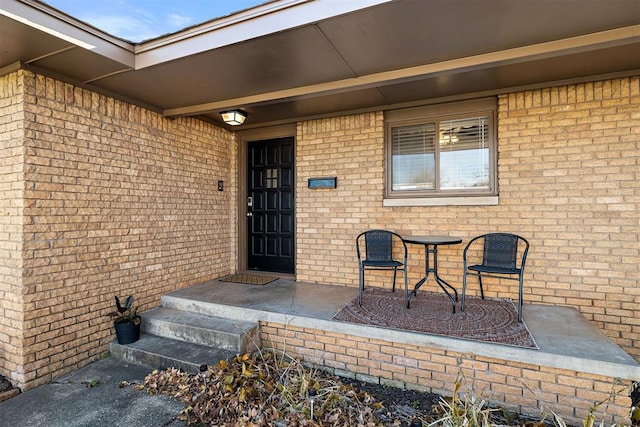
270, 205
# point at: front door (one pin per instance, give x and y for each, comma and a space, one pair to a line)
270, 205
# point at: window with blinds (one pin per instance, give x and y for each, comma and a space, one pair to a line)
441, 155
413, 163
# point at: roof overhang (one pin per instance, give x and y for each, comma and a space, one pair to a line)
288, 60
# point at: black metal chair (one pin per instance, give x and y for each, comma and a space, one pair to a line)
499, 260
377, 246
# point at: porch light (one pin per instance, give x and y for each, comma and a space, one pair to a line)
233, 117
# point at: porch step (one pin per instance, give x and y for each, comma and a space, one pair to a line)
234, 335
159, 352
187, 339
191, 304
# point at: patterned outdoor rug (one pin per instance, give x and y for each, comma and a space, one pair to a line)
491, 320
249, 279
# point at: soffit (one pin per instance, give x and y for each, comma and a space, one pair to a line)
267, 64
390, 53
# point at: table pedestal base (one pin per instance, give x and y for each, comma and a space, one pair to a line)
433, 249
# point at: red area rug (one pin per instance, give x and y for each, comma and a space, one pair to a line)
491, 320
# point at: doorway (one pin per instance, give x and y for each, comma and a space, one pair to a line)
271, 205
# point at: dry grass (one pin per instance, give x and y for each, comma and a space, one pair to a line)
272, 389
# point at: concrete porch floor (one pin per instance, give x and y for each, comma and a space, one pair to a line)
565, 338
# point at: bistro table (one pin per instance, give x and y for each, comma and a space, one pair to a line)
431, 244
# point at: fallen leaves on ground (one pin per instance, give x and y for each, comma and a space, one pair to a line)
264, 389
272, 389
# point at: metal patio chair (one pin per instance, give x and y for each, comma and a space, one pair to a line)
376, 252
503, 256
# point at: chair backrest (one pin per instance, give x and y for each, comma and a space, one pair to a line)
378, 245
500, 250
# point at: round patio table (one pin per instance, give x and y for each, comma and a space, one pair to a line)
431, 244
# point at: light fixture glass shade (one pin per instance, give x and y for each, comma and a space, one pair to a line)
233, 117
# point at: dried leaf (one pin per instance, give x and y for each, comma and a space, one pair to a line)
260, 391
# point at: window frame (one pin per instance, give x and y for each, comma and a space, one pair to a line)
436, 114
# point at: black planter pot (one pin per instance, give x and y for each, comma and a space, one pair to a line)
127, 332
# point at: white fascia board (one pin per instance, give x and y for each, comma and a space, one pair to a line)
41, 17
267, 19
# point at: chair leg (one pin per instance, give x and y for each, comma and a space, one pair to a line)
480, 282
520, 298
406, 285
395, 271
361, 288
464, 290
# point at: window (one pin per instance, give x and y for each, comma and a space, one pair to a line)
441, 151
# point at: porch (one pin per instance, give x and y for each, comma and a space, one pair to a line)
574, 367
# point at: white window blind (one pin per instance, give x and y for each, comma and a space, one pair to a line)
464, 154
457, 160
413, 157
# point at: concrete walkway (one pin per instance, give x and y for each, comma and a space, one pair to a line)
91, 396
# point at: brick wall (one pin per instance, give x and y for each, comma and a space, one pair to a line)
527, 389
350, 148
570, 169
568, 181
118, 200
11, 218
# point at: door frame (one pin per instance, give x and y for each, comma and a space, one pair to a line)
244, 137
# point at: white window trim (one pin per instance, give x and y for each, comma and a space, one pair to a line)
442, 201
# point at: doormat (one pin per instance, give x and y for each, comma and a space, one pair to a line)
490, 320
249, 279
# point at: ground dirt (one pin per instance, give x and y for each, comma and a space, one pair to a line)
5, 384
401, 407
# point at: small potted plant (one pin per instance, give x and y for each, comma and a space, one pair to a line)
127, 322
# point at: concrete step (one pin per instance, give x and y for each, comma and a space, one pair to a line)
161, 353
227, 311
203, 329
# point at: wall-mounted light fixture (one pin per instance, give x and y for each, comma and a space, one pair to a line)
233, 117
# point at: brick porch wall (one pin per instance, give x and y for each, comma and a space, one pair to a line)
527, 389
569, 181
11, 219
113, 194
117, 200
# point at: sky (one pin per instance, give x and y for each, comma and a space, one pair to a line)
138, 20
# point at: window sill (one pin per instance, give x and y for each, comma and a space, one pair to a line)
443, 201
